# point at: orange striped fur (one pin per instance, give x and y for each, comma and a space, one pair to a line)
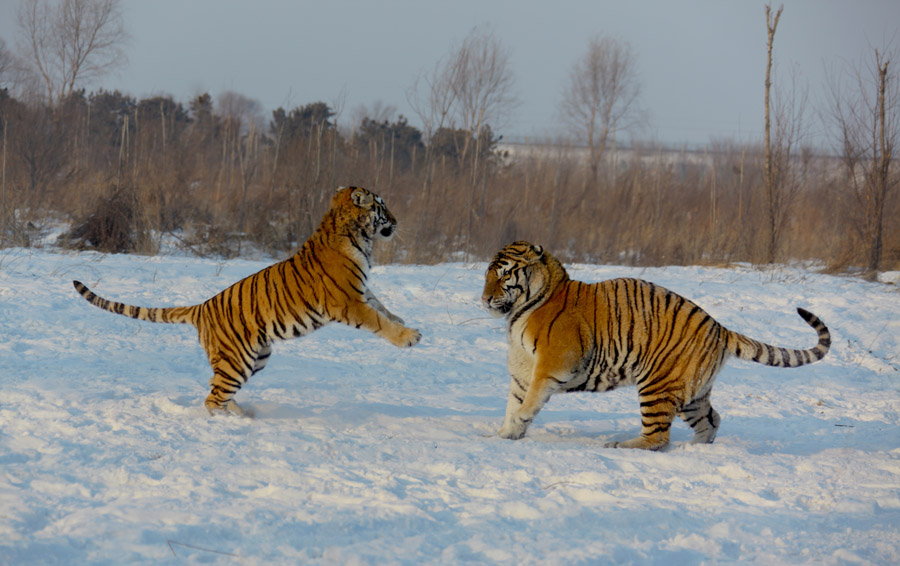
566, 335
325, 281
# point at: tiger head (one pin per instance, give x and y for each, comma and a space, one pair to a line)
517, 273
369, 215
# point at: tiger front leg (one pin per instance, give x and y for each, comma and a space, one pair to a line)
362, 315
516, 396
518, 419
377, 305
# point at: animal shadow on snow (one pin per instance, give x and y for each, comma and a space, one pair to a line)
790, 434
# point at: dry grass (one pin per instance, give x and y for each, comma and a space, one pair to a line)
219, 191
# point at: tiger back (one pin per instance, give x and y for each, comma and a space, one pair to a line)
566, 336
325, 281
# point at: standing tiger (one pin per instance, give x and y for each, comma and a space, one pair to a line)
325, 281
566, 335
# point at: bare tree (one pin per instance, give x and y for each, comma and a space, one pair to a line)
432, 98
13, 74
865, 108
70, 42
471, 87
786, 110
483, 88
601, 98
7, 65
770, 171
483, 84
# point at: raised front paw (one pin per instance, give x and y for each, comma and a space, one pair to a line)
408, 337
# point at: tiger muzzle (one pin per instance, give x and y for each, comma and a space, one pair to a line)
494, 307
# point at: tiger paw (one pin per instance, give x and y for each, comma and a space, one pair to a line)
512, 432
408, 337
230, 408
639, 442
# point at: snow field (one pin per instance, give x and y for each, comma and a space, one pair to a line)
362, 453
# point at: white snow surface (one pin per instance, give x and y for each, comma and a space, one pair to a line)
362, 453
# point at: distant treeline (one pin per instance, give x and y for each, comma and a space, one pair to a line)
124, 172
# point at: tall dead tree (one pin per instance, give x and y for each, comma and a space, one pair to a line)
866, 113
882, 157
785, 113
769, 179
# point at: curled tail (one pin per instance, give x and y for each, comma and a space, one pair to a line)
183, 315
755, 351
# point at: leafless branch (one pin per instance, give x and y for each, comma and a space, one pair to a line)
71, 42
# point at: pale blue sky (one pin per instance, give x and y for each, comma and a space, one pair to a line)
701, 63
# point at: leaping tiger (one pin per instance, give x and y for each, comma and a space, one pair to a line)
325, 281
566, 335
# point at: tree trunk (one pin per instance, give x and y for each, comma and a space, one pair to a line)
771, 189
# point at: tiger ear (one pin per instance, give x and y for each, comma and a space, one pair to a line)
538, 251
361, 197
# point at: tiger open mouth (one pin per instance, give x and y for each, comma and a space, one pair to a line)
387, 231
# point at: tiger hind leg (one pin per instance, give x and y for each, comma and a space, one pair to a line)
657, 414
229, 407
701, 417
220, 401
227, 380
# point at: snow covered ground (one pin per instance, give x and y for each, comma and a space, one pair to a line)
362, 453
